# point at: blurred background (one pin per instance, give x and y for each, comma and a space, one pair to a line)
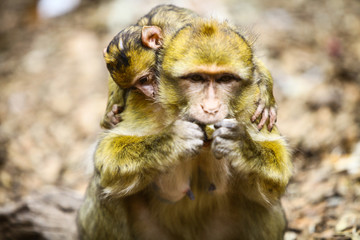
53, 90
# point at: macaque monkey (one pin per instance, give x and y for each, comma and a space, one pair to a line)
130, 59
206, 75
131, 64
137, 91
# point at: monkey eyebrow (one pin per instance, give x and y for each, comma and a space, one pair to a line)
190, 75
230, 75
217, 75
144, 79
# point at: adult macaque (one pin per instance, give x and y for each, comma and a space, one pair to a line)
206, 76
130, 58
131, 64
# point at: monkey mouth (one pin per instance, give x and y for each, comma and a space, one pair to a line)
207, 119
203, 121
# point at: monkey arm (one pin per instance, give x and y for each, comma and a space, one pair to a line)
127, 164
115, 105
266, 104
261, 159
267, 161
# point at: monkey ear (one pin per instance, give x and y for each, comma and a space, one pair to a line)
151, 37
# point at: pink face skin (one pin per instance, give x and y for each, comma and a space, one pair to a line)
208, 95
151, 37
147, 85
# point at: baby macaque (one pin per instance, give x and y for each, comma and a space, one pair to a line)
131, 61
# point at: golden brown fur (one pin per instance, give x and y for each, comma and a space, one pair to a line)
128, 60
250, 168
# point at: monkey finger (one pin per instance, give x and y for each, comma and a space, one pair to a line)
258, 111
197, 134
110, 115
184, 124
220, 152
264, 117
187, 131
273, 117
193, 147
195, 127
114, 120
118, 118
195, 130
221, 143
196, 143
228, 123
217, 152
115, 109
224, 132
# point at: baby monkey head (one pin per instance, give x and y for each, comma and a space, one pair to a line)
206, 68
130, 58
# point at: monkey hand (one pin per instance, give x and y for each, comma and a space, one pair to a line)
267, 112
189, 137
113, 117
226, 137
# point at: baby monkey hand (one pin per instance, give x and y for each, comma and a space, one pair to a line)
113, 117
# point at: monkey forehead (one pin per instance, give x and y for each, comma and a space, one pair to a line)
244, 72
126, 58
208, 43
186, 65
140, 62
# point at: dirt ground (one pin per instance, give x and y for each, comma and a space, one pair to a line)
53, 86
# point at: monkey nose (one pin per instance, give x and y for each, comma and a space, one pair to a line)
210, 110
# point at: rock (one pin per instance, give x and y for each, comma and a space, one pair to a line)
49, 214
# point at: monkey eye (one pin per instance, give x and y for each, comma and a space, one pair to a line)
196, 78
225, 79
144, 80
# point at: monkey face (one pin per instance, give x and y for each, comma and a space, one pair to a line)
208, 95
128, 60
205, 68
